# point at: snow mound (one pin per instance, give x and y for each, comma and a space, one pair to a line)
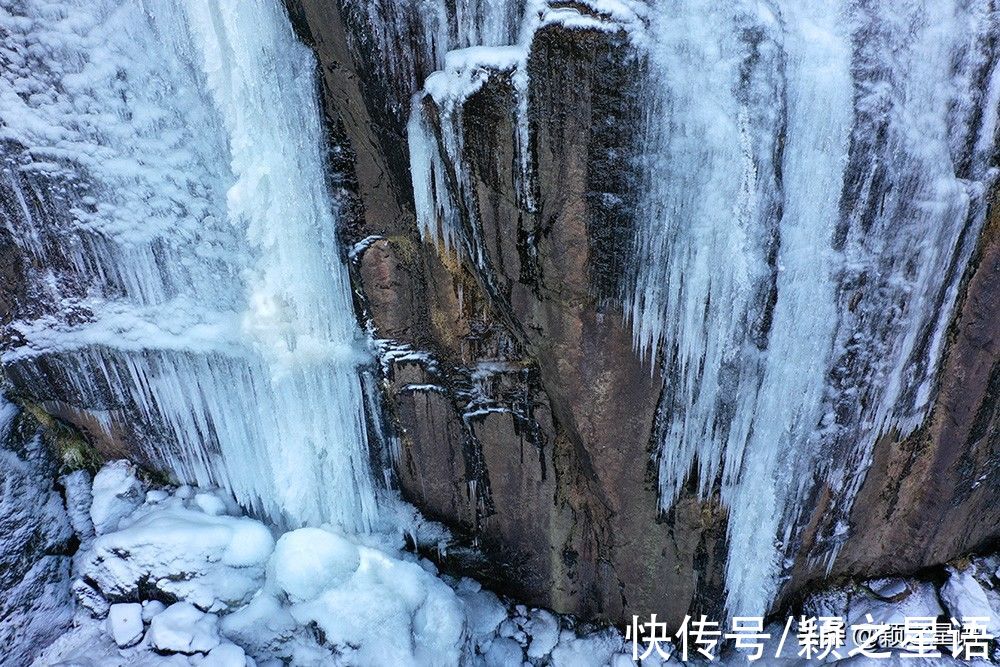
965, 598
314, 596
212, 561
125, 623
183, 628
117, 492
309, 560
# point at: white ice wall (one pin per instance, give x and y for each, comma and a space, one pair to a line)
197, 275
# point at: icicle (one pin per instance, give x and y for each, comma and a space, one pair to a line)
207, 299
796, 325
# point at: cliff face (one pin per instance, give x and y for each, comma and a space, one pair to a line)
525, 418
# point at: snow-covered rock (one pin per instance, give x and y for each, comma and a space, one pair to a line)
543, 627
502, 652
151, 608
125, 623
386, 598
309, 560
77, 488
183, 628
214, 562
117, 492
965, 598
225, 655
483, 609
593, 650
317, 597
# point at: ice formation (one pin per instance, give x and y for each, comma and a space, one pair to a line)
814, 187
185, 580
807, 206
149, 594
170, 154
443, 198
434, 27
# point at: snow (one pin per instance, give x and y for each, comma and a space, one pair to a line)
462, 73
320, 596
544, 629
125, 621
225, 655
309, 560
965, 598
116, 492
79, 500
594, 650
183, 628
313, 596
483, 610
503, 652
151, 608
388, 593
221, 558
810, 163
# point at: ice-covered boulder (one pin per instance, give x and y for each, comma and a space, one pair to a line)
183, 628
386, 611
593, 650
225, 655
309, 560
483, 610
965, 598
117, 492
543, 627
212, 561
125, 623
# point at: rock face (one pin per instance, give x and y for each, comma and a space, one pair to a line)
524, 417
933, 495
35, 601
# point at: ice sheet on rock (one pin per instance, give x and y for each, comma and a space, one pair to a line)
165, 168
808, 208
430, 29
440, 173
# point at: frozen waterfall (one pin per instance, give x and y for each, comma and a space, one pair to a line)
814, 187
164, 166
